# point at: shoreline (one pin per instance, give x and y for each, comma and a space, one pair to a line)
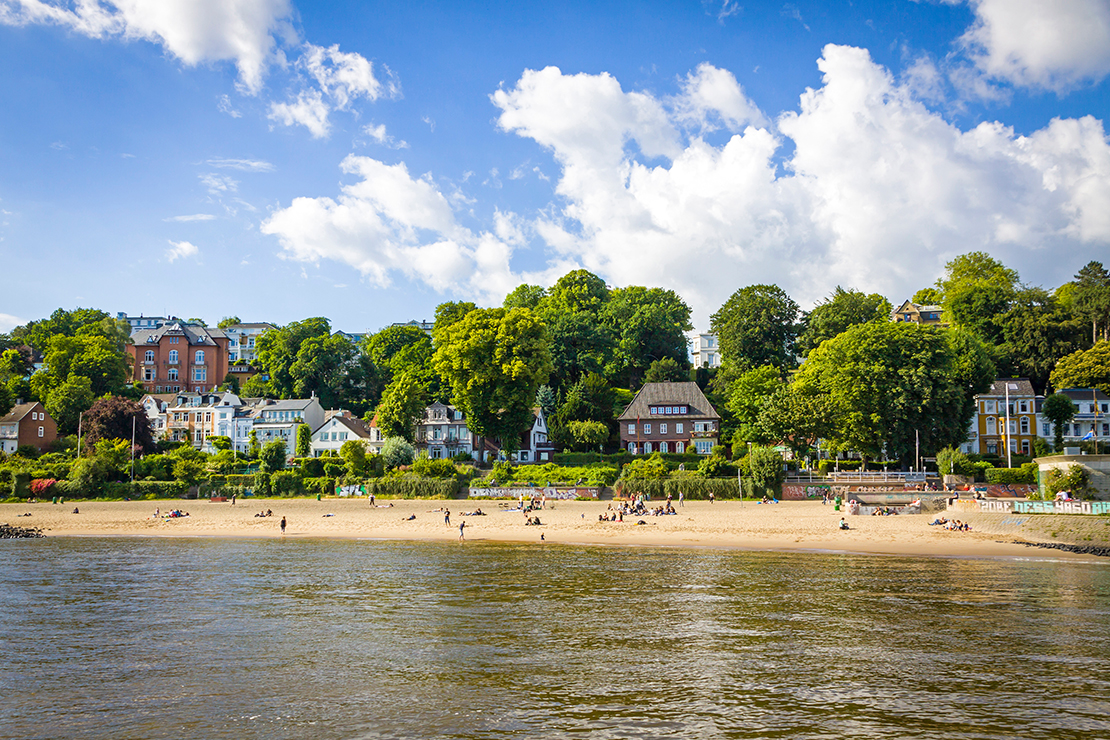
791, 526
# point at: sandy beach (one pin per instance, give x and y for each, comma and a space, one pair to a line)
790, 525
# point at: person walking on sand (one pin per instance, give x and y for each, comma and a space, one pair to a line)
447, 517
462, 528
682, 498
283, 525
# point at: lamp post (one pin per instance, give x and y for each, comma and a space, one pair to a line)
1009, 463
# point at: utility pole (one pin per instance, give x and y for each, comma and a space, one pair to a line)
132, 450
1009, 464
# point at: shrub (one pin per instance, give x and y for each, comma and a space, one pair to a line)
322, 485
715, 466
334, 468
21, 485
411, 487
766, 471
311, 467
262, 484
1077, 481
397, 452
428, 468
1023, 474
694, 487
41, 487
286, 483
28, 451
951, 461
146, 489
651, 468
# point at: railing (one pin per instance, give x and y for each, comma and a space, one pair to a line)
878, 476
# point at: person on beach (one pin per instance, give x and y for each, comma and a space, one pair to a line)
843, 524
447, 517
462, 529
371, 500
710, 497
681, 498
283, 525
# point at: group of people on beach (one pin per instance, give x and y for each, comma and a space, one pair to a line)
952, 525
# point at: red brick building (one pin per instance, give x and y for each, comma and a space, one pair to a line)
27, 424
179, 357
666, 417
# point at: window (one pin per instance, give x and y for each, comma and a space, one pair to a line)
199, 357
1025, 447
1106, 408
678, 427
1023, 407
1025, 425
991, 425
172, 374
647, 448
1046, 430
988, 407
653, 410
632, 447
704, 446
41, 431
631, 428
1012, 426
173, 357
662, 428
150, 355
664, 447
647, 428
200, 374
148, 373
524, 456
992, 448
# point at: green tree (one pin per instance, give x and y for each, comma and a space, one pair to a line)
323, 366
649, 325
92, 357
977, 289
304, 441
450, 313
112, 417
588, 435
746, 396
1092, 298
666, 370
887, 384
227, 321
278, 350
272, 457
1036, 333
581, 342
396, 451
795, 419
928, 297
495, 361
545, 399
525, 296
353, 453
189, 472
1084, 369
1058, 409
757, 326
402, 406
257, 387
231, 383
254, 449
844, 308
37, 334
220, 442
766, 467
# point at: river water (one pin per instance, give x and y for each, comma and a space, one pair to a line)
195, 638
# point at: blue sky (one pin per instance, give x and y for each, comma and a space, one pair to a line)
275, 159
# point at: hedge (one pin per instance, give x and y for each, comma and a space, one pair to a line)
1025, 474
286, 483
21, 485
694, 488
322, 485
413, 487
145, 489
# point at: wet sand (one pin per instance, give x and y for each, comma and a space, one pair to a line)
790, 525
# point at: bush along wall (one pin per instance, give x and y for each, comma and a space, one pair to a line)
413, 487
145, 489
696, 489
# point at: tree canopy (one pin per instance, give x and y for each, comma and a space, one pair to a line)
1084, 369
844, 308
757, 326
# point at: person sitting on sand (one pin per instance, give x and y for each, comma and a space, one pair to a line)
843, 524
409, 518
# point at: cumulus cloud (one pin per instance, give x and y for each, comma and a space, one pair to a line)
194, 31
874, 176
381, 136
308, 110
1052, 45
181, 249
9, 322
390, 222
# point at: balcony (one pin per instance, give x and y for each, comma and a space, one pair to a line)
703, 435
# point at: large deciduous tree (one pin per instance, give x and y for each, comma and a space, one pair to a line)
1036, 333
844, 308
884, 383
1084, 369
278, 349
977, 289
648, 325
114, 418
68, 401
1092, 298
494, 361
757, 326
402, 406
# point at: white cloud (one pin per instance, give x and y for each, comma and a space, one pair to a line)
874, 176
218, 184
713, 92
195, 31
247, 165
194, 217
181, 249
1054, 45
379, 134
9, 322
224, 106
389, 222
309, 110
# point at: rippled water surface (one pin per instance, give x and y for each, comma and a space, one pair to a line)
130, 638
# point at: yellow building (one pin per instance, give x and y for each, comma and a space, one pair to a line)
1005, 416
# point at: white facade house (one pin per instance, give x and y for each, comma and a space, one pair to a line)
535, 447
155, 405
443, 432
340, 428
242, 339
280, 419
705, 350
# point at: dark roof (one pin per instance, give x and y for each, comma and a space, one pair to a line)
357, 426
193, 333
1085, 394
1018, 387
670, 394
18, 412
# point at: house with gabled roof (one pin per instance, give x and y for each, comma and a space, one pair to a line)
667, 417
341, 426
27, 424
917, 313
